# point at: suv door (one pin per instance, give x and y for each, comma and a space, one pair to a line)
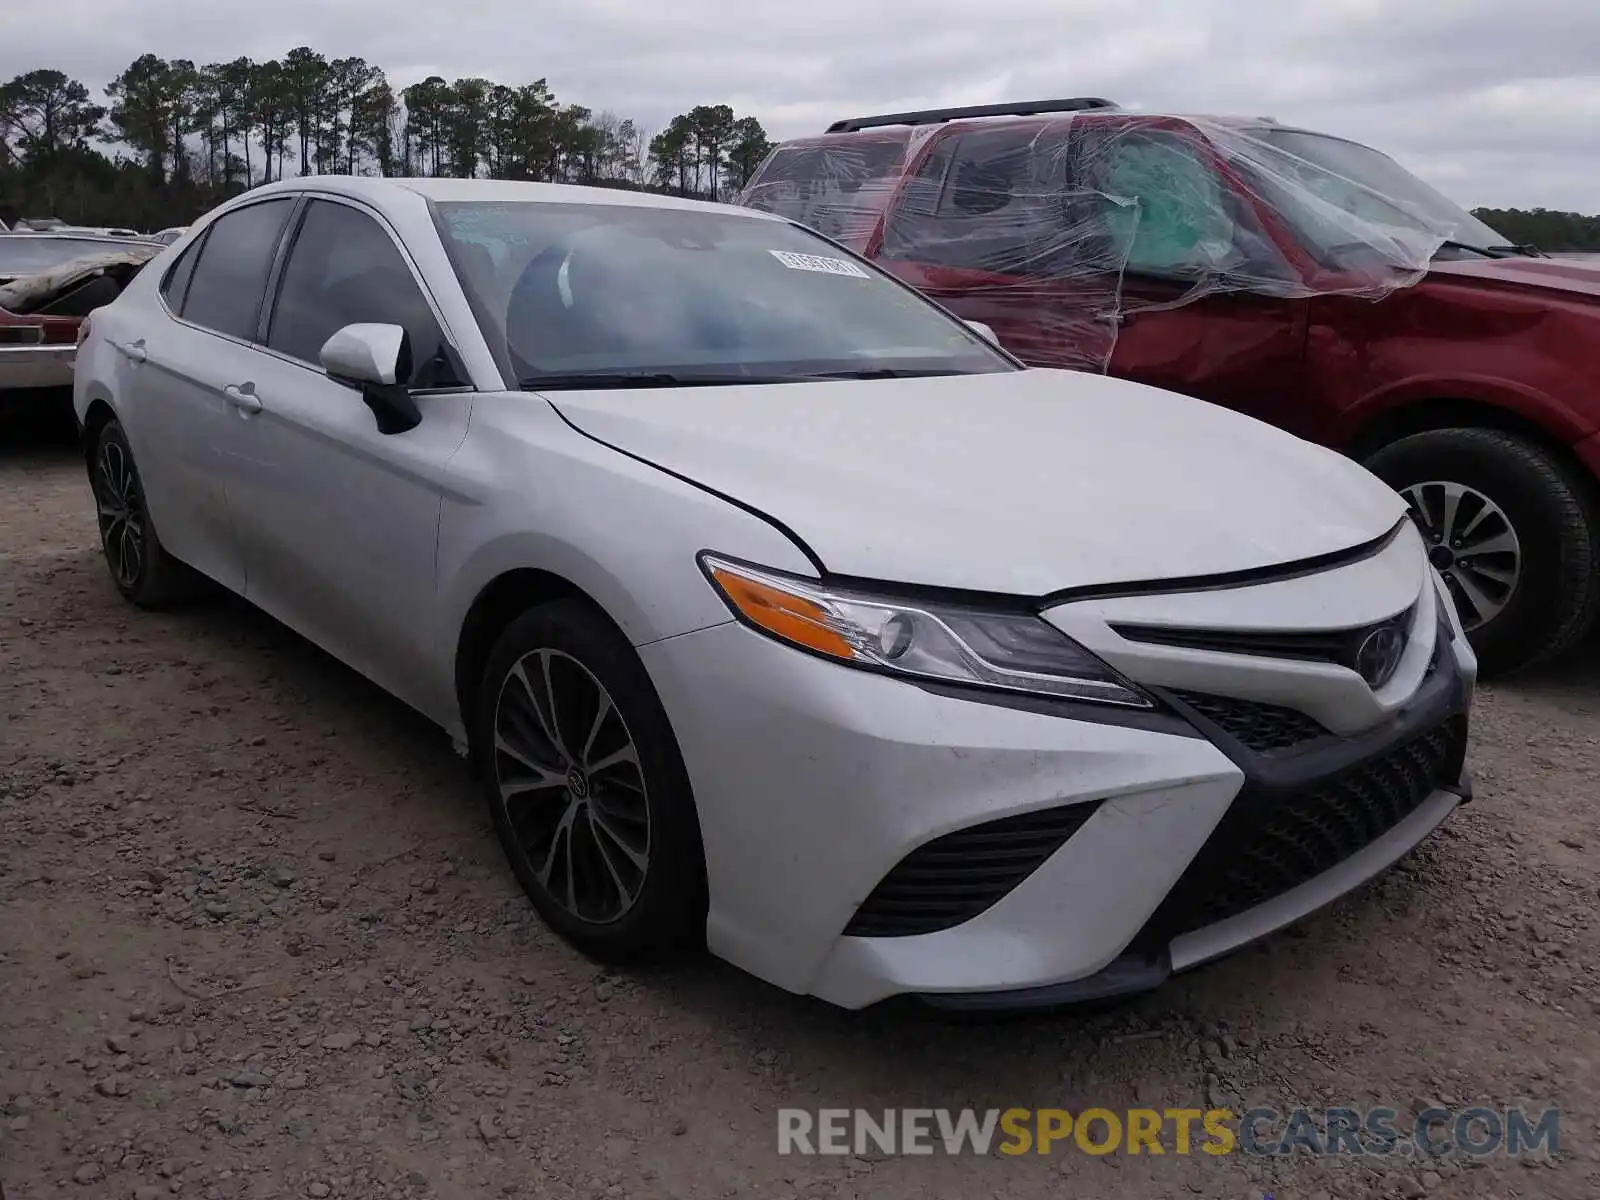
339, 522
179, 373
1195, 314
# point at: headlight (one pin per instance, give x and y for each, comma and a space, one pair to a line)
1012, 651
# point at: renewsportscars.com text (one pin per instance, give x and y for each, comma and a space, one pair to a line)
1472, 1132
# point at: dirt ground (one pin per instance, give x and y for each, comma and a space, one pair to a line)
257, 940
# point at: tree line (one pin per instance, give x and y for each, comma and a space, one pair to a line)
169, 139
1543, 227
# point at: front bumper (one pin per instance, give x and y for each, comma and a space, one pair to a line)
41, 366
828, 797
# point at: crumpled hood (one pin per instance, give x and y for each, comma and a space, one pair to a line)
1025, 482
24, 293
1581, 276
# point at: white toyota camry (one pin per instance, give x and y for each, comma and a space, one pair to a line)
779, 610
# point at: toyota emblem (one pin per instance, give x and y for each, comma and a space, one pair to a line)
1380, 654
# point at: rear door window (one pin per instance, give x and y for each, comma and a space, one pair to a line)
230, 277
989, 200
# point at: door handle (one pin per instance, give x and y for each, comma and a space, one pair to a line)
243, 397
133, 350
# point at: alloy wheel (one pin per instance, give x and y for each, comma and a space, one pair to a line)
1473, 545
568, 777
120, 508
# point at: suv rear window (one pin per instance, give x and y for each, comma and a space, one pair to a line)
838, 187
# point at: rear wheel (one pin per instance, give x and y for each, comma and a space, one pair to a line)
140, 566
587, 788
1513, 531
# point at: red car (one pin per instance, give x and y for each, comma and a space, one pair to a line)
1304, 279
48, 283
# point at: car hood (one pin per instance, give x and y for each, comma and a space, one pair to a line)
1025, 482
26, 293
1557, 274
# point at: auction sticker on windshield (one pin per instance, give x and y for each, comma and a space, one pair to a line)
818, 262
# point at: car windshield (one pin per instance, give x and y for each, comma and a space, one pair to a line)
1359, 180
22, 255
689, 295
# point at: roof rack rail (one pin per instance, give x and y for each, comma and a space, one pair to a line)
937, 116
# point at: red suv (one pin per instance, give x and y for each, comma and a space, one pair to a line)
1304, 279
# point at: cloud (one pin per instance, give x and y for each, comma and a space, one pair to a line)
1494, 105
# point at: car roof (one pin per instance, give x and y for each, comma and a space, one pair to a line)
381, 190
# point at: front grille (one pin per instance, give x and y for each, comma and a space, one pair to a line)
1340, 646
1264, 728
954, 878
1270, 842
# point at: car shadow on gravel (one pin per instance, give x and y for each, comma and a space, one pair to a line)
36, 430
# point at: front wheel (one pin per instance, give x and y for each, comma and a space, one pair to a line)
587, 787
1511, 528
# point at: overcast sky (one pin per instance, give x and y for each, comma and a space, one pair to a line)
1495, 103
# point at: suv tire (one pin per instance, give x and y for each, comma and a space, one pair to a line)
1481, 483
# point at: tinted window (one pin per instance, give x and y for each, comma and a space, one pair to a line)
176, 284
231, 276
344, 269
694, 292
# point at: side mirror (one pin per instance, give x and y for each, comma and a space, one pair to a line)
373, 359
983, 331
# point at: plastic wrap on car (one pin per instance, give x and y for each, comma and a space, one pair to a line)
1037, 225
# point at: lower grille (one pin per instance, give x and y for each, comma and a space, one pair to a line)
1264, 728
954, 878
1271, 842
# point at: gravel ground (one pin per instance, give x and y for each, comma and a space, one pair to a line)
258, 940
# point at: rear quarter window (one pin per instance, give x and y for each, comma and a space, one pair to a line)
175, 284
839, 188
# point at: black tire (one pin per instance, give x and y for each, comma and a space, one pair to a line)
666, 917
139, 564
1549, 506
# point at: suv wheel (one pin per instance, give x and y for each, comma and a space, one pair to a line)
1512, 530
587, 788
140, 566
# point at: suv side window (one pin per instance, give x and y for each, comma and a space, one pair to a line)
230, 277
1180, 217
343, 269
176, 284
989, 200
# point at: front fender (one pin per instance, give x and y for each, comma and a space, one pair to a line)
531, 492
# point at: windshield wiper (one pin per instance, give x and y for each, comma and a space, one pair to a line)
885, 373
583, 380
1506, 251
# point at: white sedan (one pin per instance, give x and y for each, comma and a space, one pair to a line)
781, 611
